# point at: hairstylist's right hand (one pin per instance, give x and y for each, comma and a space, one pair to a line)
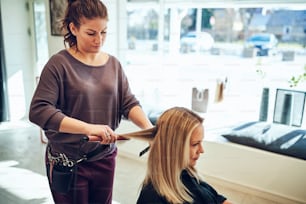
102, 133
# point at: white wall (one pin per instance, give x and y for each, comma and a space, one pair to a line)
19, 55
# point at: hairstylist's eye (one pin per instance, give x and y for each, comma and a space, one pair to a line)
91, 34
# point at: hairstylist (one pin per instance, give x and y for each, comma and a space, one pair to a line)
83, 92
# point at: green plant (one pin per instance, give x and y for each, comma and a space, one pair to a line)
295, 80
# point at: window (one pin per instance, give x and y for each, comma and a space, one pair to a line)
168, 54
41, 40
289, 107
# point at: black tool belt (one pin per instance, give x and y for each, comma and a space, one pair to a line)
61, 170
62, 160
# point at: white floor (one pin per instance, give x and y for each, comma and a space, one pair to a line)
22, 173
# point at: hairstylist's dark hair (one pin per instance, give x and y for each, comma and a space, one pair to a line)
76, 9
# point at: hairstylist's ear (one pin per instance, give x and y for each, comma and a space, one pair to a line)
72, 28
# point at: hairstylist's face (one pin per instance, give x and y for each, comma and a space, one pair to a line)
91, 34
196, 147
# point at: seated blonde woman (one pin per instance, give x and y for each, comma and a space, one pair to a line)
175, 148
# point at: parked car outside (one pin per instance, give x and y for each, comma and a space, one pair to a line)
196, 41
265, 43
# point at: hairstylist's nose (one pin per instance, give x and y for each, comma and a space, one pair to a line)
98, 38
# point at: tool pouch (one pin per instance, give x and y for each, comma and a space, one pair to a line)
60, 177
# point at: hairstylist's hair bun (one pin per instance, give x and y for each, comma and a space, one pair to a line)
71, 1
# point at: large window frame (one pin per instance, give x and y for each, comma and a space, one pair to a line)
160, 87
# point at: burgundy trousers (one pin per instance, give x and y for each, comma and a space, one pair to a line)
93, 185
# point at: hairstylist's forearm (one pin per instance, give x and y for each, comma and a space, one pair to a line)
138, 116
95, 132
74, 126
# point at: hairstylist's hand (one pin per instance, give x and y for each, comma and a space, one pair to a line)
102, 133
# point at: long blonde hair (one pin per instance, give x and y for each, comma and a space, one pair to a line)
169, 153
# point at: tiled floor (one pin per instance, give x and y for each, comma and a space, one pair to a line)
22, 173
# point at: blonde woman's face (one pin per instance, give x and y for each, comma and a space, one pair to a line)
196, 147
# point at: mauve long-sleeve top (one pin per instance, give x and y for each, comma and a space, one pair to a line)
93, 94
